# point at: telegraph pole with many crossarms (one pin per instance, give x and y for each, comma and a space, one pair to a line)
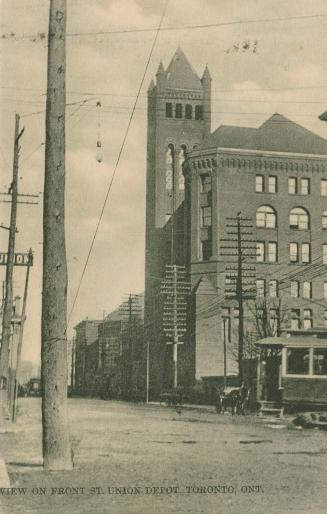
176, 289
240, 276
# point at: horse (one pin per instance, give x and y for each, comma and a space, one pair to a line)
233, 397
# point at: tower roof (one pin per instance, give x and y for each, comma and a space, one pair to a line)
206, 74
180, 73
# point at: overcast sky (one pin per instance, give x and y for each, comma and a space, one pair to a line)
287, 73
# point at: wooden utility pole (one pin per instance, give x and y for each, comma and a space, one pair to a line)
56, 440
225, 353
239, 296
8, 300
20, 340
147, 370
131, 310
241, 248
176, 288
72, 371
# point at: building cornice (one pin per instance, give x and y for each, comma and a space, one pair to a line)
208, 159
270, 153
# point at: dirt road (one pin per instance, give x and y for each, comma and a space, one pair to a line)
151, 459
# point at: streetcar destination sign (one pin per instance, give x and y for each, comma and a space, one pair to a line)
21, 259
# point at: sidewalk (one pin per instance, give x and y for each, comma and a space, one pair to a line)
4, 478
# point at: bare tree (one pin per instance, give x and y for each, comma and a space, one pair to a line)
269, 317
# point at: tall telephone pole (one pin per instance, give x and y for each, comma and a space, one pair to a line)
56, 441
240, 277
132, 315
8, 299
176, 288
20, 339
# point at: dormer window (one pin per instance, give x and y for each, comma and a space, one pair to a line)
178, 111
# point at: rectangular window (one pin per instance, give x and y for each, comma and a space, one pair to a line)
178, 111
294, 252
226, 323
236, 321
261, 287
295, 319
205, 183
325, 290
205, 217
260, 251
320, 361
273, 320
272, 184
307, 290
169, 110
305, 252
305, 186
307, 319
205, 250
298, 361
325, 318
324, 253
323, 187
198, 112
273, 288
259, 184
188, 111
272, 252
295, 289
292, 185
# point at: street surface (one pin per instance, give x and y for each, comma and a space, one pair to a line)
155, 460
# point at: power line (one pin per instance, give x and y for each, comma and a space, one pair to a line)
104, 93
42, 36
118, 158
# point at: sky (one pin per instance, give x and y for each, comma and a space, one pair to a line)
257, 67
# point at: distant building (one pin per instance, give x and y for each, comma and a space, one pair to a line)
275, 175
86, 335
109, 354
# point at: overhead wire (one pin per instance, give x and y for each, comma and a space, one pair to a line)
118, 159
42, 36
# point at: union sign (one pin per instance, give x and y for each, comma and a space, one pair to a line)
21, 259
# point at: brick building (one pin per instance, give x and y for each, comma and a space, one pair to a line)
275, 175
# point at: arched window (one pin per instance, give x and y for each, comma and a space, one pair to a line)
188, 111
324, 220
181, 159
299, 218
169, 167
266, 217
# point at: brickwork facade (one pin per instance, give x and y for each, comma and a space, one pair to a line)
275, 175
297, 279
